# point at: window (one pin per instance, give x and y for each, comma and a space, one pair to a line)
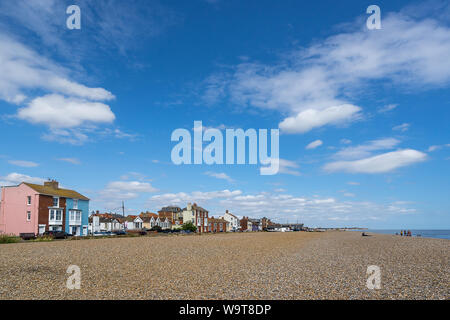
28, 215
55, 215
75, 203
74, 215
55, 202
29, 200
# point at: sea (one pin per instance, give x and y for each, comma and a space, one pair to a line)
440, 234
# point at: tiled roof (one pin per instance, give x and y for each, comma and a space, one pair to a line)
48, 190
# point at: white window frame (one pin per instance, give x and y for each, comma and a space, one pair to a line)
57, 206
54, 212
28, 200
28, 215
75, 204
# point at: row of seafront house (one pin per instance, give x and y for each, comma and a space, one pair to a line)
32, 208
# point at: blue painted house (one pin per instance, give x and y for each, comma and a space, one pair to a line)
77, 216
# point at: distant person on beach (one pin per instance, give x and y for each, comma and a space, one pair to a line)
401, 233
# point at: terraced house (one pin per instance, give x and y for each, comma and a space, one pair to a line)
34, 208
197, 215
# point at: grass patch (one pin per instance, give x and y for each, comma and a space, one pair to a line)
43, 239
9, 238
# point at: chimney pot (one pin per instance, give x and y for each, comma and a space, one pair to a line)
52, 183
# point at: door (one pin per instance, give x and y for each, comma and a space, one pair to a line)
41, 229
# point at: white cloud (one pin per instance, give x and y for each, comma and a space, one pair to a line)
14, 178
345, 141
311, 118
409, 51
23, 69
283, 207
402, 127
434, 148
378, 164
70, 160
288, 167
130, 186
58, 112
221, 175
196, 196
23, 163
366, 149
314, 144
387, 108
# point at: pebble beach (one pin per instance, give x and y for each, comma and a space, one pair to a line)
291, 265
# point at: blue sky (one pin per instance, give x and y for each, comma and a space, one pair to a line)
363, 114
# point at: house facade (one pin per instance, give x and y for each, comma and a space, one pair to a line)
173, 213
197, 215
105, 222
246, 224
152, 221
256, 225
217, 225
233, 221
33, 208
133, 223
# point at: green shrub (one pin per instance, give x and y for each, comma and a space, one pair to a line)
189, 226
9, 238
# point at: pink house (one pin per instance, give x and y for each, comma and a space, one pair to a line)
33, 208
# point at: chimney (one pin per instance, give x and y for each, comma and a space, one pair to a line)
52, 184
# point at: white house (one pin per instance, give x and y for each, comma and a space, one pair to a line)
233, 221
133, 223
197, 215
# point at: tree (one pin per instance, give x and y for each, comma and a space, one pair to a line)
189, 226
156, 228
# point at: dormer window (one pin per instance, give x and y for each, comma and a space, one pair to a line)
55, 202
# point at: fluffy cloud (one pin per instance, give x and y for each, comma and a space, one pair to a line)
288, 167
130, 187
57, 111
312, 118
196, 196
284, 207
314, 144
23, 69
68, 104
315, 86
221, 175
14, 178
365, 150
378, 164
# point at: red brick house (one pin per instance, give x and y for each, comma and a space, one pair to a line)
217, 225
